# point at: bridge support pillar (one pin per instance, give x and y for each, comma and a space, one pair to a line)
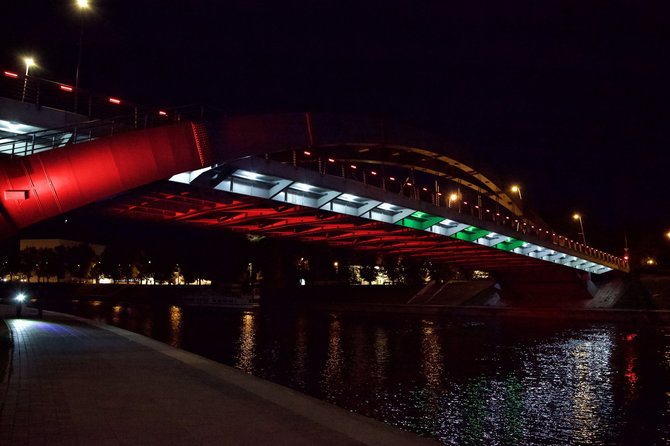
545, 287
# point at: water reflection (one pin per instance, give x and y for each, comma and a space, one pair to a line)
246, 343
584, 403
331, 377
381, 355
300, 353
487, 383
630, 357
116, 314
175, 326
432, 360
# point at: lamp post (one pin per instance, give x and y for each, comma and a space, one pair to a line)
581, 226
82, 5
452, 198
517, 190
29, 61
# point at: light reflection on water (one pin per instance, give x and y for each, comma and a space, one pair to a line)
246, 342
175, 326
331, 376
493, 383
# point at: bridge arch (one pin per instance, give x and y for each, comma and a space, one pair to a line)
362, 140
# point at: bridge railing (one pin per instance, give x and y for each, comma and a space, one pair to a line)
23, 144
475, 207
107, 115
57, 95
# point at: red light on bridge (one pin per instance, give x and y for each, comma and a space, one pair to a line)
425, 189
373, 173
10, 74
162, 113
115, 101
330, 160
307, 153
66, 88
353, 167
409, 184
392, 178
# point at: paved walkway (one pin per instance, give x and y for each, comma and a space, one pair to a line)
75, 382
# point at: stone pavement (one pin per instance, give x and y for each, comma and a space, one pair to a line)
76, 382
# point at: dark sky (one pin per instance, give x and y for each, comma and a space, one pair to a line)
568, 98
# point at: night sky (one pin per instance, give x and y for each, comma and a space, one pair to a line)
568, 98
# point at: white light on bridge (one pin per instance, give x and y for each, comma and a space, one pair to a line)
350, 198
388, 207
253, 176
302, 186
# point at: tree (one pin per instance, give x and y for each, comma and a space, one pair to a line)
79, 260
369, 273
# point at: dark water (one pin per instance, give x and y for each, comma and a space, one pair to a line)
499, 382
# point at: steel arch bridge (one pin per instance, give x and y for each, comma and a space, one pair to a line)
358, 182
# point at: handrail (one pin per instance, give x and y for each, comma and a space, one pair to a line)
41, 140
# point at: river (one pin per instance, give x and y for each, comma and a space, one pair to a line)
462, 382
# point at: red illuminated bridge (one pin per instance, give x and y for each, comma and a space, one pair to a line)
361, 183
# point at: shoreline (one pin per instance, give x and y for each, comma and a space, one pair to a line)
628, 316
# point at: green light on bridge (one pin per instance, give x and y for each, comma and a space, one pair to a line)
471, 233
510, 244
420, 220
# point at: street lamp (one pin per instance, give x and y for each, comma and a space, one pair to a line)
82, 5
29, 61
581, 226
452, 198
517, 190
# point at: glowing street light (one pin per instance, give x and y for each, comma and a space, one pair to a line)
576, 216
82, 5
29, 61
453, 197
517, 190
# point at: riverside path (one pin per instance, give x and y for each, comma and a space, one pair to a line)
71, 381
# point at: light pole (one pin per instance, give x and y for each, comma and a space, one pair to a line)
517, 190
83, 5
452, 198
581, 226
29, 61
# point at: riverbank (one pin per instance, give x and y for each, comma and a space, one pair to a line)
636, 298
76, 382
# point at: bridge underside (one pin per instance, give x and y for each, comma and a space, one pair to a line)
170, 202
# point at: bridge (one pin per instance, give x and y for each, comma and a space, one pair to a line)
362, 183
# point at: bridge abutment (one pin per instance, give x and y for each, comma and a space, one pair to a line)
545, 287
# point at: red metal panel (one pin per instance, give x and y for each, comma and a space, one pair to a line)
61, 180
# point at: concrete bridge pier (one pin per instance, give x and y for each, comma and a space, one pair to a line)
550, 287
